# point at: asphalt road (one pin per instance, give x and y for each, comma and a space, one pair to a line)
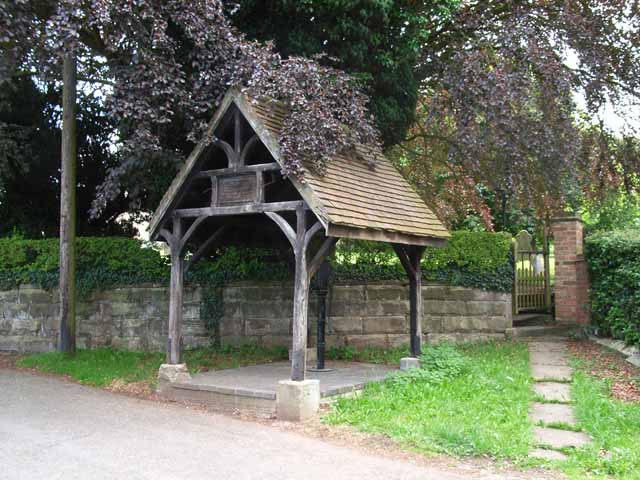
53, 429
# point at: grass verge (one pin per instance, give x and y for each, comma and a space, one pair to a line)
101, 367
480, 406
614, 426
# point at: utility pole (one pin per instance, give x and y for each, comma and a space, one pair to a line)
68, 206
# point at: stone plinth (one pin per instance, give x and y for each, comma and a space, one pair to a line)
407, 363
169, 373
297, 401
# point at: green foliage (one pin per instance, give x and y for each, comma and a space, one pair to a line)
616, 211
473, 259
377, 41
98, 367
437, 364
470, 259
614, 268
479, 405
30, 160
101, 366
102, 262
368, 354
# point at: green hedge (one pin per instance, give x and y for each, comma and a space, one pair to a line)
614, 268
472, 259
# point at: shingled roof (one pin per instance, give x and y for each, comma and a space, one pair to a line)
350, 199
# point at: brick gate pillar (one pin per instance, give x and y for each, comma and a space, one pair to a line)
571, 278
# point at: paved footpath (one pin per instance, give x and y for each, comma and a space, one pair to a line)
53, 429
553, 414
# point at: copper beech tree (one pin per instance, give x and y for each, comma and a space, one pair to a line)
499, 107
164, 66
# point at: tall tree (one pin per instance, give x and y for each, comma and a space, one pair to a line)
379, 42
30, 159
498, 109
167, 64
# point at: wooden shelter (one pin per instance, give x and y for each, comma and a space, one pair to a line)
231, 191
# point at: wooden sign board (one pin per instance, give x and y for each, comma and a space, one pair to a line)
237, 189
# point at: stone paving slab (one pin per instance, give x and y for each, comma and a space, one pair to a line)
552, 413
558, 346
547, 454
556, 438
553, 391
550, 372
542, 357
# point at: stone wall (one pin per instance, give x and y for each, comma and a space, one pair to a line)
359, 315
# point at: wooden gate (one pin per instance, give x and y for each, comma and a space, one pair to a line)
531, 288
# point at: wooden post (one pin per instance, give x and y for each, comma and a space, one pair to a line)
514, 290
300, 301
68, 207
410, 257
547, 269
174, 353
300, 239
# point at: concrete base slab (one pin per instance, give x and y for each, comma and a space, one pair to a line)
556, 438
551, 372
252, 389
553, 391
407, 363
297, 401
549, 413
544, 454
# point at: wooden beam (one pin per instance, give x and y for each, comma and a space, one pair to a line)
259, 187
311, 232
190, 231
228, 151
170, 197
239, 209
247, 148
202, 249
285, 227
300, 301
260, 167
323, 252
300, 239
174, 342
344, 231
237, 138
410, 257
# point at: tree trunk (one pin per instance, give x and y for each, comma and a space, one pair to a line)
68, 208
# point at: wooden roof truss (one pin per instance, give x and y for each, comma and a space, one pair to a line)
233, 177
